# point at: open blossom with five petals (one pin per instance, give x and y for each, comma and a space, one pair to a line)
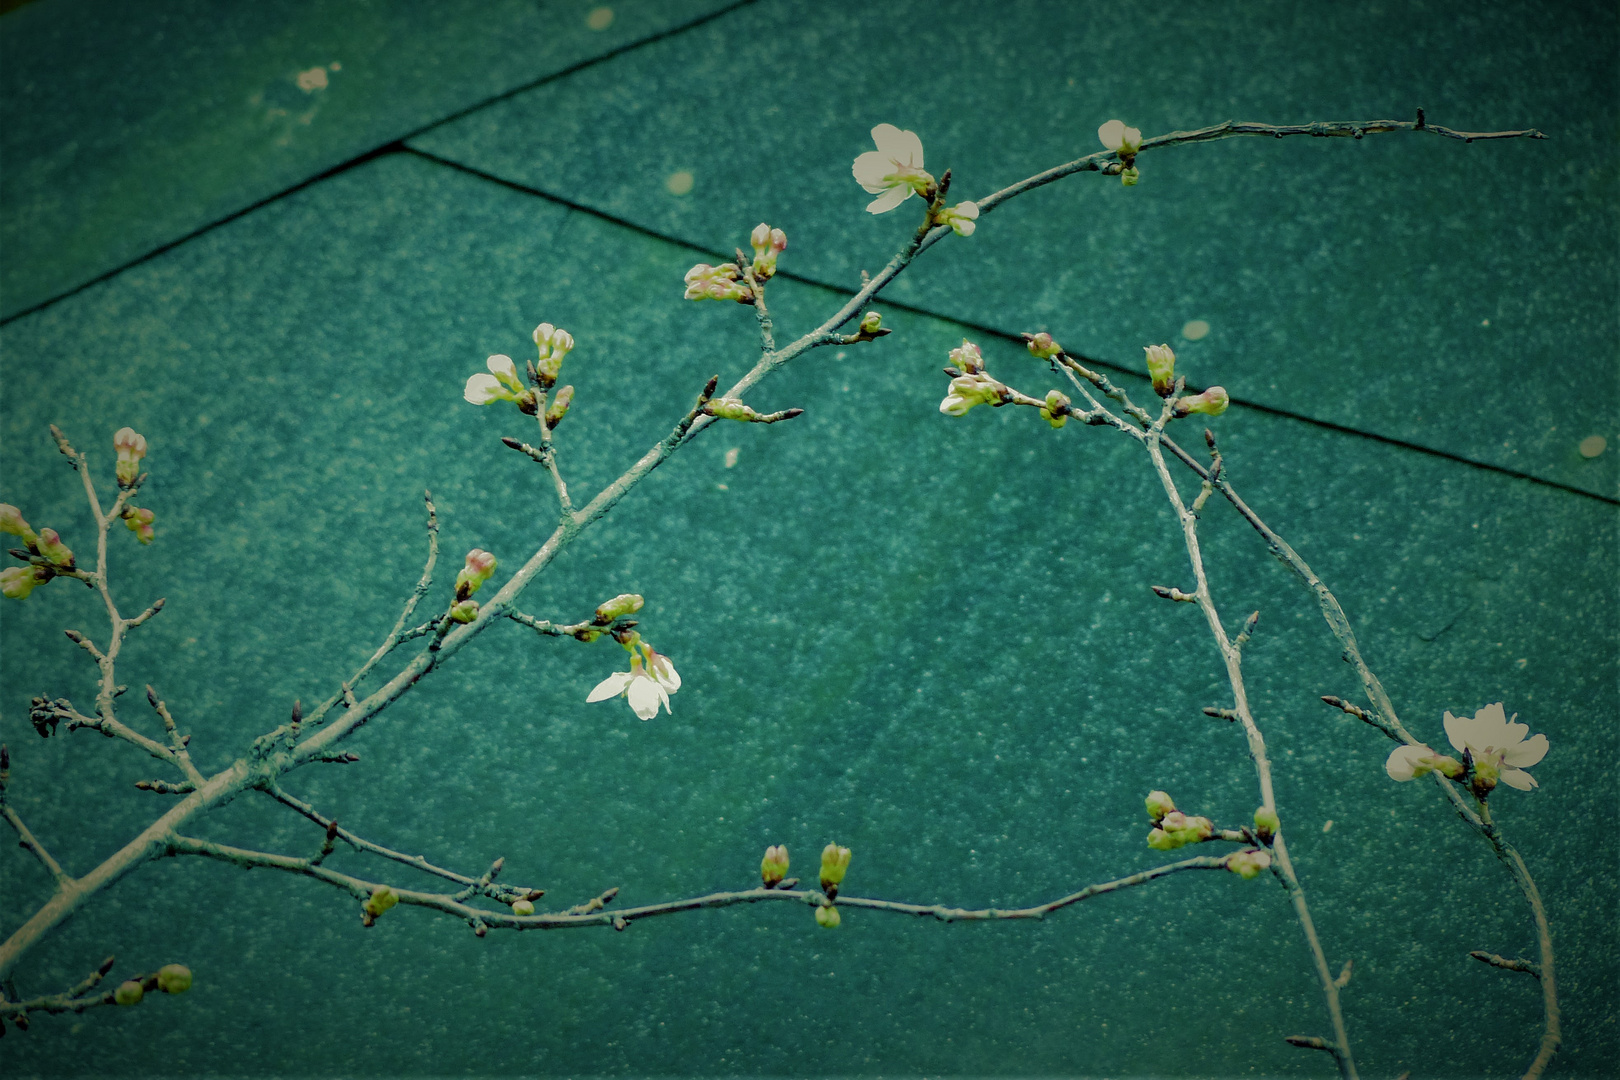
648, 683
1498, 744
894, 171
501, 384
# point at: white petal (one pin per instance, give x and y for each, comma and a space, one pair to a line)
644, 695
870, 169
1112, 134
1403, 760
1518, 778
969, 210
1455, 731
482, 389
500, 364
889, 199
963, 228
1527, 753
901, 146
612, 686
664, 671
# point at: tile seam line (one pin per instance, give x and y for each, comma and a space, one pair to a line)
393, 145
1000, 334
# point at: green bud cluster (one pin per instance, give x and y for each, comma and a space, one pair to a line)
827, 916
618, 607
382, 898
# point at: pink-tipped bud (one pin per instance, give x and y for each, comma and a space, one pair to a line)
1042, 345
1212, 402
51, 546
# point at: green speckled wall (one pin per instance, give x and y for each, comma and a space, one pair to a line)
930, 639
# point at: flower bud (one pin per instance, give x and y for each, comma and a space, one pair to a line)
1130, 177
828, 916
968, 359
559, 406
1266, 824
968, 391
1161, 364
1212, 401
729, 409
1041, 345
11, 521
480, 567
383, 897
130, 447
464, 611
1159, 804
139, 522
871, 322
834, 862
1159, 840
129, 993
962, 218
174, 978
51, 546
1248, 863
760, 239
705, 282
1055, 411
624, 604
17, 582
522, 907
774, 867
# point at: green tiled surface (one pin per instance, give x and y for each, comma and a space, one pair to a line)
128, 125
1459, 297
929, 639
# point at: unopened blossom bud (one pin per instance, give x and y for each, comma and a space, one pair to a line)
828, 916
501, 384
1042, 346
480, 567
51, 546
139, 521
834, 862
559, 406
968, 359
382, 898
871, 322
174, 978
1161, 365
1248, 863
16, 582
522, 907
1212, 401
130, 447
962, 218
553, 345
129, 993
618, 607
1055, 412
1266, 823
774, 867
768, 243
11, 521
705, 282
1159, 840
1159, 804
1130, 177
464, 611
968, 391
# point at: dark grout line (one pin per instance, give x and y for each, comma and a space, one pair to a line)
991, 331
391, 147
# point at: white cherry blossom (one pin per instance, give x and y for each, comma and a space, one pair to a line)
646, 685
1494, 739
894, 171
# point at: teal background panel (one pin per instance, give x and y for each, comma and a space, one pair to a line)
129, 126
1457, 297
929, 639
